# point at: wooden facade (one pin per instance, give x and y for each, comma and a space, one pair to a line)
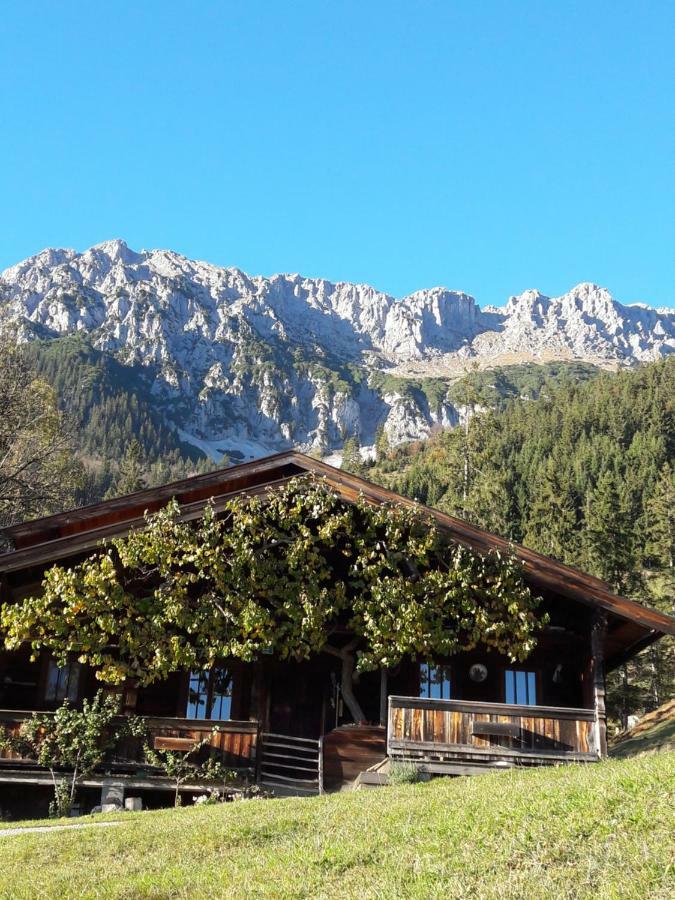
549, 709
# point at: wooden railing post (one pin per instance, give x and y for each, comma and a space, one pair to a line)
258, 753
389, 723
383, 696
598, 634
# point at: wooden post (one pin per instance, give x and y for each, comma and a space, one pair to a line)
258, 755
129, 698
383, 697
598, 634
320, 765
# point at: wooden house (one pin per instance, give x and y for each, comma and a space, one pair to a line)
285, 722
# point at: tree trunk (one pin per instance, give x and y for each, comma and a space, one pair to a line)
654, 661
348, 687
624, 696
346, 654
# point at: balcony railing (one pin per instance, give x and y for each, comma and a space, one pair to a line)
454, 731
234, 744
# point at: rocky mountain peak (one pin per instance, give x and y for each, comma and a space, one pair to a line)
241, 361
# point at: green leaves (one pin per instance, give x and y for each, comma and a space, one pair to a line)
76, 739
278, 574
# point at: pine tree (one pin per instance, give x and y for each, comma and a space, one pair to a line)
660, 516
609, 536
351, 456
132, 472
382, 447
552, 525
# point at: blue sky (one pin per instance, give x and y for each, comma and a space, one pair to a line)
485, 146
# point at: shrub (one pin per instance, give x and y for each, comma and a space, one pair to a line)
404, 772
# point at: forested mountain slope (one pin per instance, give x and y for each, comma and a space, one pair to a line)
111, 403
115, 422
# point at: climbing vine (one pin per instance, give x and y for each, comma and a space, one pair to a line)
294, 572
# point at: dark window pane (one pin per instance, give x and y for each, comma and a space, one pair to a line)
62, 682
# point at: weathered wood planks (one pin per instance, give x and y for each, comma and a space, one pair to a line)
457, 728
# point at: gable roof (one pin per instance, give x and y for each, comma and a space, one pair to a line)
44, 541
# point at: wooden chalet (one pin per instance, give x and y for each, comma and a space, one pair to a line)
285, 723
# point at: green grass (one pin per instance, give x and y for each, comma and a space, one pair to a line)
603, 831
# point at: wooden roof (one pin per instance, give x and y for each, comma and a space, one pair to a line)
43, 541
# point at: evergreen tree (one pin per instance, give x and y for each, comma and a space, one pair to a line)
132, 472
610, 548
351, 456
552, 526
381, 444
660, 516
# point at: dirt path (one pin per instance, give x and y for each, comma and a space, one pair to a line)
35, 829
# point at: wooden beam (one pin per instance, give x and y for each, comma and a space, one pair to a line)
131, 782
458, 752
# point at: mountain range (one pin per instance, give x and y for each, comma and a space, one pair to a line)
245, 365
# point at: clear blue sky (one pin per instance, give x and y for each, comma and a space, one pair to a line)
485, 146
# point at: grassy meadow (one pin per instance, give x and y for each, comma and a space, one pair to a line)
602, 831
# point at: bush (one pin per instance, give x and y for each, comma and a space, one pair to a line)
405, 772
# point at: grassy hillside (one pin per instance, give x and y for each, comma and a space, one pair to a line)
654, 733
597, 831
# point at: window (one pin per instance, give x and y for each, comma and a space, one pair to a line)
520, 687
210, 694
435, 681
62, 682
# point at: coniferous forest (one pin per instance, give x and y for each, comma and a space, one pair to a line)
121, 437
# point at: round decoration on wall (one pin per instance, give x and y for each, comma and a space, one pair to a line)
478, 672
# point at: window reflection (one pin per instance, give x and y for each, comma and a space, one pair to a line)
62, 682
210, 694
520, 687
435, 682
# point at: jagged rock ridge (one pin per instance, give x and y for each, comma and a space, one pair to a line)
245, 364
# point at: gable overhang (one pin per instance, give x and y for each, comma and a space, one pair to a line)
42, 542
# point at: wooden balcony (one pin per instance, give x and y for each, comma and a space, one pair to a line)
234, 744
460, 737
